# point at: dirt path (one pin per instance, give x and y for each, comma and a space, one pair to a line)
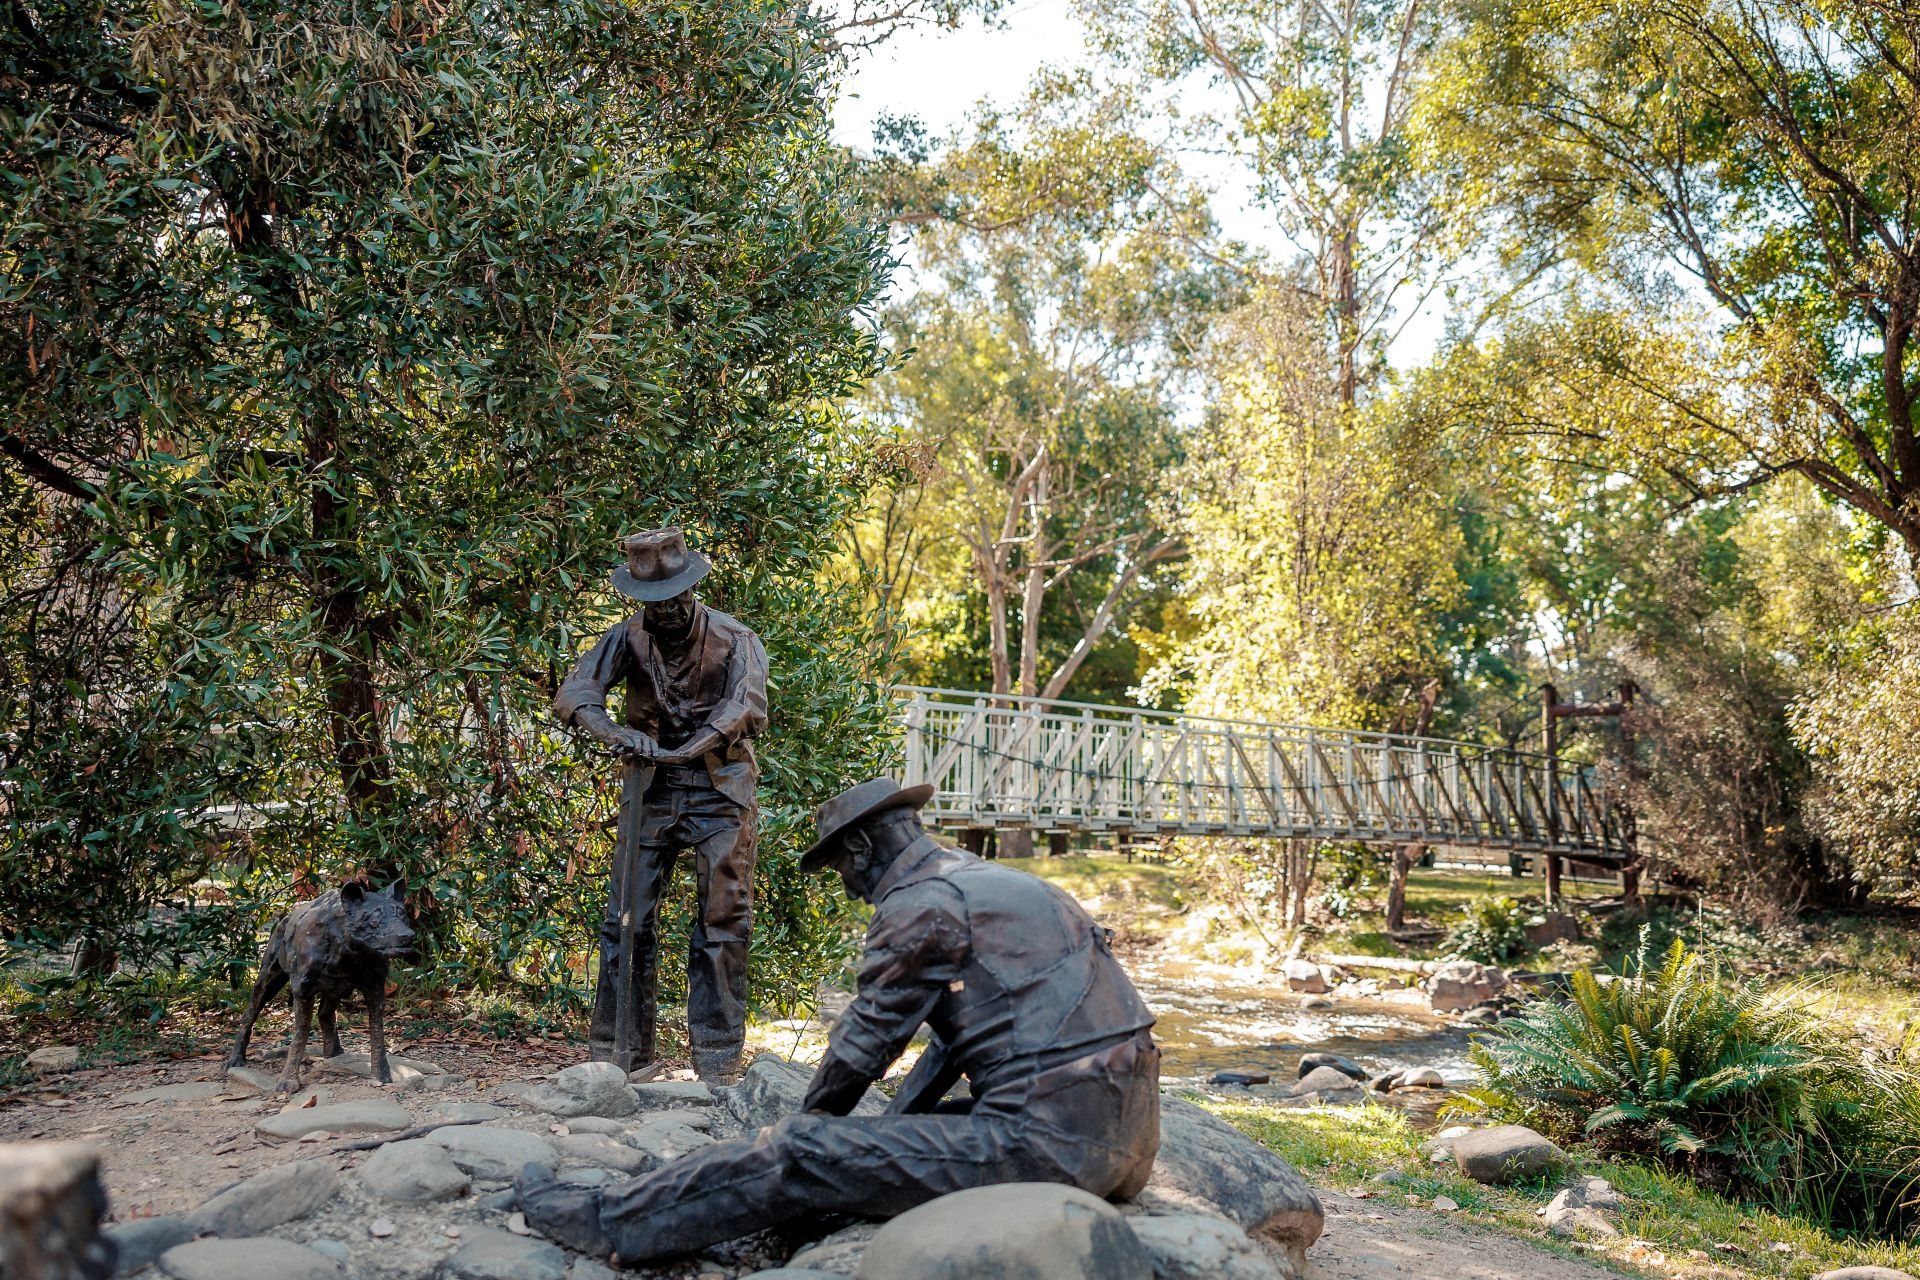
1367, 1240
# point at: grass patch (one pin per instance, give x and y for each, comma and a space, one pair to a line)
1666, 1214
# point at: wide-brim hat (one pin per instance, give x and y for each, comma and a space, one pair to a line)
659, 565
876, 795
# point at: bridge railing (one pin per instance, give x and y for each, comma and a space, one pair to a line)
1011, 761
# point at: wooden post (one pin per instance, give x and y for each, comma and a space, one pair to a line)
51, 1203
1629, 829
1550, 739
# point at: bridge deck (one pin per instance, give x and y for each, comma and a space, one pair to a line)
1066, 766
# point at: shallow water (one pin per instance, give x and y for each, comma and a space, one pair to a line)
1207, 1025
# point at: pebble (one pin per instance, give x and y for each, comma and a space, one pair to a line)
380, 1228
371, 1116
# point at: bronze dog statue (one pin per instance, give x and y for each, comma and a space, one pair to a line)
339, 943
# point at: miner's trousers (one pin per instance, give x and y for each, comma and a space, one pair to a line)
675, 816
1092, 1123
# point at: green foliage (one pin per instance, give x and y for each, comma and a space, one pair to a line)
1491, 930
1672, 1063
341, 341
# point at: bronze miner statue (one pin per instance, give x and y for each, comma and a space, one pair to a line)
1023, 998
695, 685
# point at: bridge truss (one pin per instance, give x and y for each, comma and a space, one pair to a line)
1065, 766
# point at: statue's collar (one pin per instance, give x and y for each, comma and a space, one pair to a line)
911, 859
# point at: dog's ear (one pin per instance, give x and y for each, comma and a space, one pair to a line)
352, 891
399, 890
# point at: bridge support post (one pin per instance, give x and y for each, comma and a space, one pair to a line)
1629, 829
1550, 744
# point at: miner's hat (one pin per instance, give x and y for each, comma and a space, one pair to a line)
877, 795
659, 566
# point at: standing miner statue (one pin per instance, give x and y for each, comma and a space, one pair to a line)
1021, 997
696, 694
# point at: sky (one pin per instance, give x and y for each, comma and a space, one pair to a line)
939, 76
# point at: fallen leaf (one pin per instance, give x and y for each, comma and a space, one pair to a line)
313, 1100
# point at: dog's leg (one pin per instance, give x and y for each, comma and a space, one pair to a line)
265, 987
330, 1046
375, 994
297, 1050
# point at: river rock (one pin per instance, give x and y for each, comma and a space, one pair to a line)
1311, 1062
414, 1172
373, 1115
1306, 977
773, 1089
143, 1240
665, 1141
360, 1064
589, 1089
1461, 984
248, 1259
1196, 1246
786, 1273
1420, 1078
493, 1155
487, 1253
1864, 1273
1206, 1165
267, 1199
670, 1095
1506, 1153
1324, 1080
54, 1058
1585, 1207
1038, 1231
602, 1152
198, 1091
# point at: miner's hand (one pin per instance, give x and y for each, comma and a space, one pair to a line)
637, 746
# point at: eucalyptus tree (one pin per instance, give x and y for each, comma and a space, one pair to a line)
339, 341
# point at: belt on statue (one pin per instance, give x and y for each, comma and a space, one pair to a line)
683, 775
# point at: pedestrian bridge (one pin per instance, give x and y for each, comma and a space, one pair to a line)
1007, 761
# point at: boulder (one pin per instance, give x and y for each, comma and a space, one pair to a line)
248, 1259
1206, 1165
1506, 1153
773, 1089
1585, 1207
1323, 1080
371, 1116
1864, 1273
1555, 926
487, 1253
252, 1079
1420, 1078
599, 1151
1038, 1231
143, 1240
664, 1140
589, 1089
1310, 1062
466, 1112
1306, 977
1194, 1246
670, 1095
838, 1254
267, 1199
1462, 984
414, 1172
493, 1155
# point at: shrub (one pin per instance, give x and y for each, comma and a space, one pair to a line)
1733, 1086
1492, 931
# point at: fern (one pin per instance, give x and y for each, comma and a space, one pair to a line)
1672, 1062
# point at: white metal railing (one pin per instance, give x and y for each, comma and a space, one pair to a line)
1009, 761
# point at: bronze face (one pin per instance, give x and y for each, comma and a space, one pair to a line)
670, 619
